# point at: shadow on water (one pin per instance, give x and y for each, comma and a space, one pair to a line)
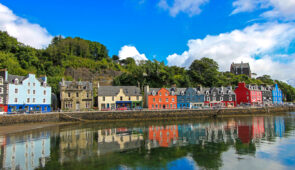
185, 144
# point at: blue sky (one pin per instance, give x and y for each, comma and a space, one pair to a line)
173, 31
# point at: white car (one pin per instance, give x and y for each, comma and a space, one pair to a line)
1, 113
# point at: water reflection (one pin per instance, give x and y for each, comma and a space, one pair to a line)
195, 144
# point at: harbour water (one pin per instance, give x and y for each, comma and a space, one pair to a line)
259, 142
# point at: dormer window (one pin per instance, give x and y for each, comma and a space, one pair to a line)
207, 92
44, 84
16, 81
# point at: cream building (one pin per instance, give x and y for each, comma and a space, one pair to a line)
112, 97
76, 95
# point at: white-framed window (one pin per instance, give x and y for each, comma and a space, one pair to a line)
34, 84
28, 100
1, 90
160, 94
103, 98
166, 94
173, 99
69, 94
1, 80
166, 99
44, 92
34, 100
113, 98
34, 91
44, 100
221, 98
16, 81
214, 99
208, 98
15, 100
1, 100
29, 91
160, 100
44, 84
129, 98
230, 99
137, 98
154, 100
153, 106
29, 84
15, 91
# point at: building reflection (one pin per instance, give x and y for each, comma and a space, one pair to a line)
25, 152
279, 126
163, 135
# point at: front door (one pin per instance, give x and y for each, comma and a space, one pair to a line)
77, 106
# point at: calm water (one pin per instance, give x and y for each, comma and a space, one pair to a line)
231, 143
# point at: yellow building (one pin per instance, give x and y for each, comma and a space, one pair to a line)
76, 95
113, 97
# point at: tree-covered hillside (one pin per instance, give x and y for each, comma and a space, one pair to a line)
71, 57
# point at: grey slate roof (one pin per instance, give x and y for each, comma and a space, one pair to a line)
240, 65
114, 90
86, 85
11, 78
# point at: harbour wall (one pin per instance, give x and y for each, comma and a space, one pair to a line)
139, 115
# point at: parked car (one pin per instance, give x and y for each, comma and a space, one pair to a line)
2, 113
122, 108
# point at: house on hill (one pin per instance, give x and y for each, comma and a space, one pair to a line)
240, 68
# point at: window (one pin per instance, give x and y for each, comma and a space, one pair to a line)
160, 106
44, 100
174, 105
160, 94
103, 98
16, 81
1, 80
121, 98
34, 100
113, 98
1, 90
230, 99
154, 99
44, 84
28, 100
166, 94
69, 94
166, 99
87, 104
34, 84
170, 105
34, 91
129, 98
15, 100
87, 95
160, 100
173, 99
137, 97
29, 84
44, 92
221, 98
15, 91
156, 106
208, 98
152, 106
247, 97
214, 98
29, 91
77, 94
1, 100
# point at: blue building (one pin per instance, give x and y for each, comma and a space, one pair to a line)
277, 95
189, 98
28, 93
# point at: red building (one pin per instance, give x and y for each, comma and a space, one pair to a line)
163, 135
3, 108
248, 94
161, 98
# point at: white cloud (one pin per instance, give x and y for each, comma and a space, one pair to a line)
130, 51
262, 40
283, 9
191, 7
30, 34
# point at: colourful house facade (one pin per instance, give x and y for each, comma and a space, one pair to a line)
160, 98
26, 93
3, 91
277, 95
189, 98
249, 94
219, 96
117, 97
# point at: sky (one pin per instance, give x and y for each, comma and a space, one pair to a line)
261, 32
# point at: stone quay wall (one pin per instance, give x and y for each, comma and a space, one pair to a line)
138, 115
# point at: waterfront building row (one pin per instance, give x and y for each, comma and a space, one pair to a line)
32, 94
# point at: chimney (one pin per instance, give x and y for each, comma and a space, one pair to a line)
63, 82
98, 84
44, 78
4, 73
